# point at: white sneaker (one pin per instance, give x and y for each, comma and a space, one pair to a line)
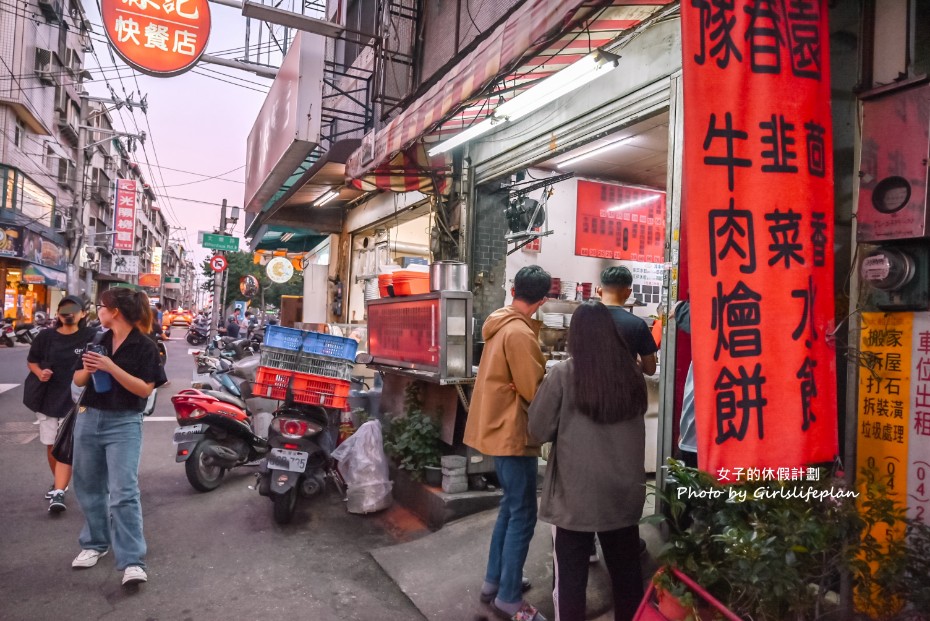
87, 558
134, 575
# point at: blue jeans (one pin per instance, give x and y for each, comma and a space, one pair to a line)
107, 449
516, 522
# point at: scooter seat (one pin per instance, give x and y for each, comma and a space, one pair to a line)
222, 396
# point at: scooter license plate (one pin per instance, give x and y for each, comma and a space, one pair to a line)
189, 433
283, 459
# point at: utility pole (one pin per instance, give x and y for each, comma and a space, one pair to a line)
218, 280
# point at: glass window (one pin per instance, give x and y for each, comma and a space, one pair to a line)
921, 50
35, 202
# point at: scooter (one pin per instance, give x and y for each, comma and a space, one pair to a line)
198, 333
301, 440
216, 432
22, 333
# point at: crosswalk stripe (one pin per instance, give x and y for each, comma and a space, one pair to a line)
160, 419
6, 387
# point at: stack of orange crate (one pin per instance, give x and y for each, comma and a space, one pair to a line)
316, 366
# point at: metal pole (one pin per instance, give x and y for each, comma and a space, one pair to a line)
76, 225
218, 283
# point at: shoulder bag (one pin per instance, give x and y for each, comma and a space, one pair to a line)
63, 448
34, 389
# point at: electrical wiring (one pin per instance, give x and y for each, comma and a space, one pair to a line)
213, 77
175, 185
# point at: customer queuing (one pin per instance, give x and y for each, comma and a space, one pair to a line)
108, 433
51, 359
512, 366
616, 288
591, 408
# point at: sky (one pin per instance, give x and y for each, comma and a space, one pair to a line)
197, 127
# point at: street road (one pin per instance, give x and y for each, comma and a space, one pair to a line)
211, 556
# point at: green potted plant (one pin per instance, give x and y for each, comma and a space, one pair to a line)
769, 553
412, 440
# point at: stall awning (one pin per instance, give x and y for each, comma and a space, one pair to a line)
40, 275
537, 40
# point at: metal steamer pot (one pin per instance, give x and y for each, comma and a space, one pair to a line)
448, 276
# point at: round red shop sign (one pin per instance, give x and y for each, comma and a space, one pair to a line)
158, 37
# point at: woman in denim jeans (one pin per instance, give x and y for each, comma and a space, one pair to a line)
108, 433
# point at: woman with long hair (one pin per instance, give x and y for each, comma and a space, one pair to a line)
591, 408
118, 377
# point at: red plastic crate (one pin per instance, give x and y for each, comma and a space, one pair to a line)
318, 390
271, 383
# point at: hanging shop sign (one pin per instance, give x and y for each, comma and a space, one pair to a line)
124, 264
162, 38
124, 216
150, 280
279, 270
758, 187
156, 260
620, 222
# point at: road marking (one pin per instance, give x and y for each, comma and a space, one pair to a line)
17, 432
6, 387
160, 419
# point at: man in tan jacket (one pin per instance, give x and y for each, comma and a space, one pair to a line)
511, 369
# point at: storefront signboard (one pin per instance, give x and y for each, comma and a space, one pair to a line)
161, 39
758, 190
620, 222
124, 218
11, 241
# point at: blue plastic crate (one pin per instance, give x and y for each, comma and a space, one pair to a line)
283, 338
329, 345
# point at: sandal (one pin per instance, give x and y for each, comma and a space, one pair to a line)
527, 612
487, 598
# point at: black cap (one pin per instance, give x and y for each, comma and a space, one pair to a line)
71, 299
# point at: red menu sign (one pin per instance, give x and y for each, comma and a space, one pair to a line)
758, 189
124, 217
620, 222
158, 37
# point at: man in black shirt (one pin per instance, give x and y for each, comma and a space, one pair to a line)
616, 287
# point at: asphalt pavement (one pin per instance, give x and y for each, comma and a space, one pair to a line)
211, 556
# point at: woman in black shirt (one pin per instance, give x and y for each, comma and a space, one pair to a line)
51, 359
108, 433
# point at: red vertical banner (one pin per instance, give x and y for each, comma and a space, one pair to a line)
758, 189
124, 216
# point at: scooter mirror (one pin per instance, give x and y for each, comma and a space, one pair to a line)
364, 358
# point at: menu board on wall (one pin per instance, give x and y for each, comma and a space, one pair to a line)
620, 222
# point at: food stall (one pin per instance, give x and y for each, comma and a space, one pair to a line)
428, 337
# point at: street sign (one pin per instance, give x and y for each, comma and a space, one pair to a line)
220, 242
170, 279
218, 263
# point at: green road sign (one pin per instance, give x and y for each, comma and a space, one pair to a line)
169, 279
220, 242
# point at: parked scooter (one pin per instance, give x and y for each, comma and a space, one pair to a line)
301, 440
21, 333
216, 432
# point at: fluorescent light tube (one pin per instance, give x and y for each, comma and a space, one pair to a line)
636, 203
325, 198
596, 151
565, 81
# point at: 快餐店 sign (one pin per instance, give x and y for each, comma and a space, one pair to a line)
758, 191
158, 37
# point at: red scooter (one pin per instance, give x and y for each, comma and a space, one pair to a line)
216, 433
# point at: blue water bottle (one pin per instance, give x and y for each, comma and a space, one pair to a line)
103, 381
